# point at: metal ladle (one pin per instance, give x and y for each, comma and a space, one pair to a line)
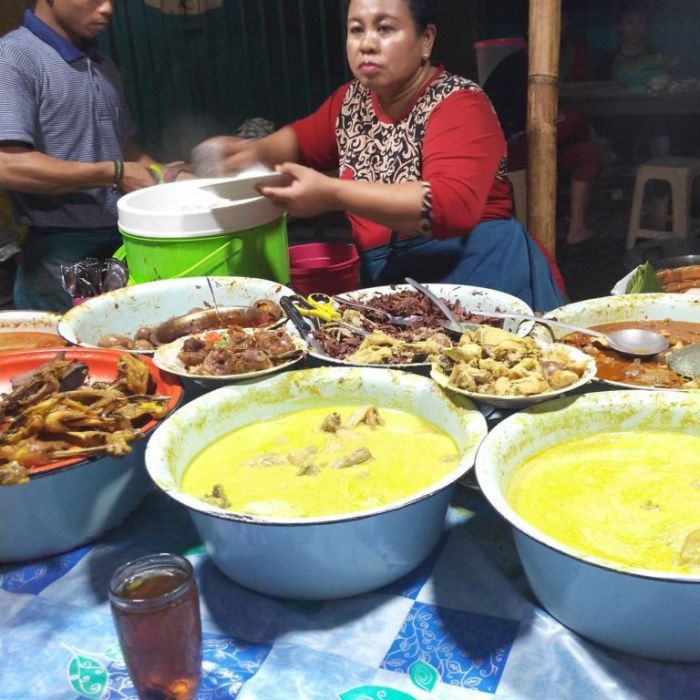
685, 361
629, 341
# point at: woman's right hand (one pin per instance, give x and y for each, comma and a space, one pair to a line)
222, 155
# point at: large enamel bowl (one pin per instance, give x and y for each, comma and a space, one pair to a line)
14, 322
625, 307
37, 321
124, 311
74, 501
323, 557
637, 611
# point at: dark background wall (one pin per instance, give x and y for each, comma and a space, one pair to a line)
193, 73
188, 76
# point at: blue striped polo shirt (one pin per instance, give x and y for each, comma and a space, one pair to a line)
66, 104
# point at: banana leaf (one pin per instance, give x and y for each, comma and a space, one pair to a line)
644, 280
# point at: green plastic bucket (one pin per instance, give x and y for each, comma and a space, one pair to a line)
164, 239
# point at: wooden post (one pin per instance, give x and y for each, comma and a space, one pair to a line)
542, 98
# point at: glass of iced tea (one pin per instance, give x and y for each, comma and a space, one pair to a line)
156, 612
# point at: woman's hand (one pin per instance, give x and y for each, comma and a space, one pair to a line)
222, 155
310, 193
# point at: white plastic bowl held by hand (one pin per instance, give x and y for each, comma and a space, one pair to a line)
321, 557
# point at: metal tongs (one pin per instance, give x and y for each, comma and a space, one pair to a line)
305, 330
319, 307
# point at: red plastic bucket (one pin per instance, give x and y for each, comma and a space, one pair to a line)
331, 268
490, 52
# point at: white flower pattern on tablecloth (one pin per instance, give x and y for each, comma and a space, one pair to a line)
467, 649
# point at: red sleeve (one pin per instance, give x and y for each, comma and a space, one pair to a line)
316, 137
462, 149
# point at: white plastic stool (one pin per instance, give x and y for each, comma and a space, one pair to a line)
680, 174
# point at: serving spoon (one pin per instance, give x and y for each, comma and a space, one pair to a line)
629, 341
446, 310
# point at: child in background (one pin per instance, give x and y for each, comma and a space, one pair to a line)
635, 60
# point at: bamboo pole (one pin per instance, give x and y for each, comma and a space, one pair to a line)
542, 97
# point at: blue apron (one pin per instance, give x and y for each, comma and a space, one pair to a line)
496, 254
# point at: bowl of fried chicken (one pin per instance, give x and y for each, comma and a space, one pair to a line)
72, 436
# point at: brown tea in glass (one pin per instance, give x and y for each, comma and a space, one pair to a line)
156, 612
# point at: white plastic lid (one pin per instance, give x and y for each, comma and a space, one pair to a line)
184, 210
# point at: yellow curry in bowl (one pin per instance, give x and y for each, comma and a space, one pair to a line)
320, 461
630, 498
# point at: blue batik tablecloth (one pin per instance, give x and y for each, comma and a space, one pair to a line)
462, 626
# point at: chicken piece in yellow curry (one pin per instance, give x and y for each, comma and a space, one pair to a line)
631, 498
321, 461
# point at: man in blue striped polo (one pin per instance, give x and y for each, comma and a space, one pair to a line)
66, 148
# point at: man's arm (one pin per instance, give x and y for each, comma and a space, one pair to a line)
174, 171
23, 169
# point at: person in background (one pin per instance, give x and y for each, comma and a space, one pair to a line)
635, 60
633, 63
421, 161
66, 147
577, 151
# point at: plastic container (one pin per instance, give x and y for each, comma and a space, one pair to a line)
490, 52
331, 268
178, 230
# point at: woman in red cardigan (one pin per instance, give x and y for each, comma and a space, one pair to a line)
421, 159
